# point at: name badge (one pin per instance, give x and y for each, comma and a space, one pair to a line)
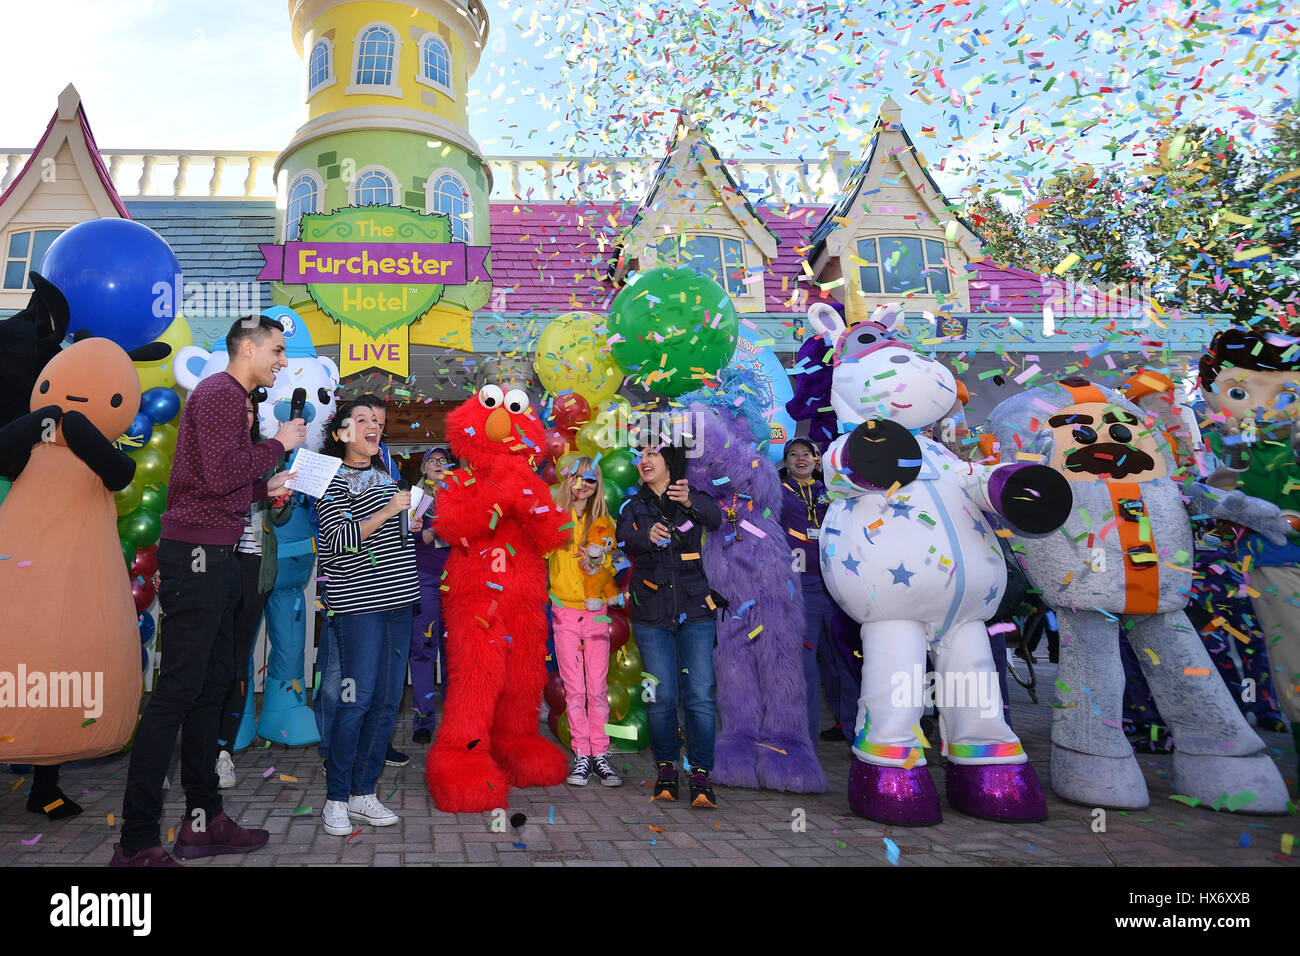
813, 533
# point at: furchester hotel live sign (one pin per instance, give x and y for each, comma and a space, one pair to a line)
375, 270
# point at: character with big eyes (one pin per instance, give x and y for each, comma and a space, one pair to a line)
1123, 559
1251, 381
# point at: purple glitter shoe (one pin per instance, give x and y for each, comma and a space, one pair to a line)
904, 798
1007, 792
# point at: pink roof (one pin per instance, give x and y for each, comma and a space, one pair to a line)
105, 179
548, 257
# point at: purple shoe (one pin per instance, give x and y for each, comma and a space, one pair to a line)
893, 795
1007, 792
223, 835
154, 856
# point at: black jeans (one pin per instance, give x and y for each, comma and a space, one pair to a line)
248, 615
199, 593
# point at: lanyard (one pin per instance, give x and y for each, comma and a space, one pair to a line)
809, 500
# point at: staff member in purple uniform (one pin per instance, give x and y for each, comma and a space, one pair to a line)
216, 477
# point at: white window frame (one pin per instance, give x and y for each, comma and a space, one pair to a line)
31, 266
377, 89
331, 77
319, 183
746, 289
392, 178
468, 222
451, 63
927, 270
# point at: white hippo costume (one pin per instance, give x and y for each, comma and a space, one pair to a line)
907, 552
1124, 559
286, 717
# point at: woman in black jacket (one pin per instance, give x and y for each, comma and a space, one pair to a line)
661, 529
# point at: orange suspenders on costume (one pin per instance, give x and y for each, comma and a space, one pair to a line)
1141, 561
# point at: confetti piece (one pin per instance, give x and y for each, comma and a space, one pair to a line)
111, 820
301, 811
53, 806
656, 829
1155, 661
354, 834
171, 835
550, 817
267, 773
36, 839
892, 852
1288, 841
288, 779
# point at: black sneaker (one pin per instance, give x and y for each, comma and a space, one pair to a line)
701, 791
601, 768
581, 771
833, 733
666, 784
395, 758
423, 737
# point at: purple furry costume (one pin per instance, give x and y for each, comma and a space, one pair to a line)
760, 685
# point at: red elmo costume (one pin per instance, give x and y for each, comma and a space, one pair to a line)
499, 519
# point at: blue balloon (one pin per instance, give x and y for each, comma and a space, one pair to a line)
146, 628
144, 658
139, 432
775, 389
110, 271
161, 404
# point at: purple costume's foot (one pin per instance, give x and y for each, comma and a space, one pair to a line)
1008, 792
735, 759
790, 765
894, 795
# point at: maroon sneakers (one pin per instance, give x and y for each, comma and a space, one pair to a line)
154, 856
222, 835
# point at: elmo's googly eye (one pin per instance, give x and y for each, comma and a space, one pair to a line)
516, 401
490, 396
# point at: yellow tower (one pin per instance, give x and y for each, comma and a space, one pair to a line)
386, 86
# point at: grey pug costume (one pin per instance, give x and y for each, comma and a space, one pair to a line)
1123, 559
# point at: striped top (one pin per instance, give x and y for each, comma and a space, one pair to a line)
363, 576
250, 542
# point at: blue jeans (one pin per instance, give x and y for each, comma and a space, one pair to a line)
361, 690
680, 653
327, 663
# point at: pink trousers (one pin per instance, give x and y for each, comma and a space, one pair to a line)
582, 653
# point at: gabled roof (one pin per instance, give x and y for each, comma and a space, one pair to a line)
68, 125
889, 120
689, 145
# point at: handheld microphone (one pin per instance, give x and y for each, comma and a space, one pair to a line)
297, 403
405, 518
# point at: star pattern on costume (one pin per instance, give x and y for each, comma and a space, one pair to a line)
902, 575
979, 527
851, 564
901, 510
992, 596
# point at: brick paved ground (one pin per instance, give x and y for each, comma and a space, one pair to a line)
611, 827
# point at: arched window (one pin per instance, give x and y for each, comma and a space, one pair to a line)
372, 187
435, 63
445, 192
898, 265
320, 66
304, 197
375, 56
718, 257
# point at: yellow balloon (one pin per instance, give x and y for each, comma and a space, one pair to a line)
164, 439
611, 422
589, 440
573, 356
154, 374
565, 462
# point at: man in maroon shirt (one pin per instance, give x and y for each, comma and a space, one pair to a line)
216, 476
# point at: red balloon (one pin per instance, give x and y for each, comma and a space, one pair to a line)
620, 628
549, 474
571, 412
553, 721
554, 694
146, 562
556, 443
143, 593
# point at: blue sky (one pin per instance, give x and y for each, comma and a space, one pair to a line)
1016, 90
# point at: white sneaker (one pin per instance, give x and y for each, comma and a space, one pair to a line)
225, 770
368, 809
167, 783
335, 818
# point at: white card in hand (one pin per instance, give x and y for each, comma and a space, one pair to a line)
315, 472
417, 502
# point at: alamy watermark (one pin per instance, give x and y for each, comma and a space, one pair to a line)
196, 300
76, 690
951, 689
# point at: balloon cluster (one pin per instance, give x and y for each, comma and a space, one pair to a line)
151, 441
669, 331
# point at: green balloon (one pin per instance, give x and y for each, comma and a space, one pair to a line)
154, 499
638, 720
625, 666
620, 702
128, 499
128, 551
563, 732
618, 469
613, 498
672, 328
151, 466
140, 527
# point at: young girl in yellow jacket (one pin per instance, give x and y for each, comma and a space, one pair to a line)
582, 584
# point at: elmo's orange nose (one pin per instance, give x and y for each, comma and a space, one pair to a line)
498, 424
